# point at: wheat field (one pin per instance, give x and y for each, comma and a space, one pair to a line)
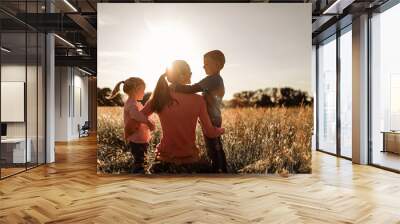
256, 140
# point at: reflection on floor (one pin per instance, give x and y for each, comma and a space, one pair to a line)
10, 171
346, 152
70, 191
13, 169
387, 159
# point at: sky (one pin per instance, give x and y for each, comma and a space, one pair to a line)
265, 45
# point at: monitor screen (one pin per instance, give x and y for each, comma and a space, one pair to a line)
3, 129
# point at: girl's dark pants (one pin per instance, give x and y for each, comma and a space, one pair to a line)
138, 151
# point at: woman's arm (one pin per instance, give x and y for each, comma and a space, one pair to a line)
147, 111
208, 129
137, 115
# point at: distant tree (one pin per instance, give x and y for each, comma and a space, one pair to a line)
268, 97
291, 97
271, 97
243, 99
103, 93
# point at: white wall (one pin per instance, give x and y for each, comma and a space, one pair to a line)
81, 103
70, 109
14, 73
61, 103
33, 127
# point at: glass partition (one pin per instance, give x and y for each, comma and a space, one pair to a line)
35, 89
31, 97
385, 89
327, 96
22, 64
13, 94
346, 93
41, 97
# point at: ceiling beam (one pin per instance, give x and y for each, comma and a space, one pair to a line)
86, 26
78, 61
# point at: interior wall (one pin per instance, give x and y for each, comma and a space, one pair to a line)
17, 73
80, 109
71, 102
61, 103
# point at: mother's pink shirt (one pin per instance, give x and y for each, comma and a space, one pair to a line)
178, 122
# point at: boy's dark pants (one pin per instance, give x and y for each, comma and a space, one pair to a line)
138, 150
216, 152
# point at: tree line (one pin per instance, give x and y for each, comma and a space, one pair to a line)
271, 97
268, 97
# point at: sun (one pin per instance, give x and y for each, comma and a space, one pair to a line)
160, 44
164, 43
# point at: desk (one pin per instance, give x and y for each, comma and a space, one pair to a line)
391, 141
13, 150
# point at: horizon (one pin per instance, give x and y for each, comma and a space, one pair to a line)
225, 98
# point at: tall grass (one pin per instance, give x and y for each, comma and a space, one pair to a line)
256, 140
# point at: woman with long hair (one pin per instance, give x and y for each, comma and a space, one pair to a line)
179, 113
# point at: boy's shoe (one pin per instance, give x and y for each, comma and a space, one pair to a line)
221, 164
221, 171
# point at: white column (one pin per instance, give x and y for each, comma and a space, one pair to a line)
50, 99
62, 103
360, 90
50, 92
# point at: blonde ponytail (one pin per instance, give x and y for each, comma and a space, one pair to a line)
133, 83
115, 91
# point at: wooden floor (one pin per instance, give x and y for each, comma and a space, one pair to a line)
10, 171
70, 191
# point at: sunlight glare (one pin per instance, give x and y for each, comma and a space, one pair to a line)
165, 43
161, 44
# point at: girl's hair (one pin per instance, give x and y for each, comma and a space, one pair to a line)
161, 96
130, 84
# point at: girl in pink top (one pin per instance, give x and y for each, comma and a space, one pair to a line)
179, 113
136, 125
